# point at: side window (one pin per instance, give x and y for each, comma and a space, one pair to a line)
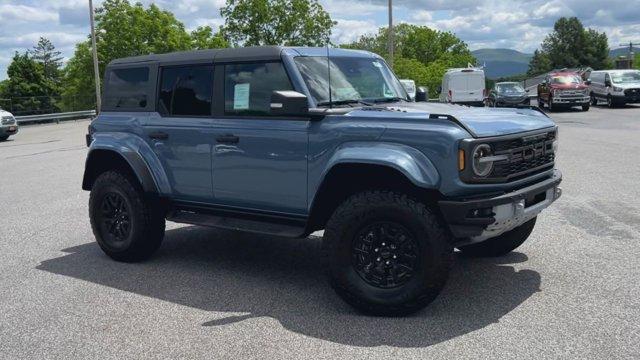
186, 90
248, 87
127, 88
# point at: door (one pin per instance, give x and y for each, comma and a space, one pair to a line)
180, 132
259, 162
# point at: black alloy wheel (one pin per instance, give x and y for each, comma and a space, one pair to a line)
385, 254
115, 219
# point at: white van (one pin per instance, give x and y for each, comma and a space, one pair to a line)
464, 86
616, 87
410, 86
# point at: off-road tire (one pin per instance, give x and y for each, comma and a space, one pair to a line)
433, 248
500, 245
147, 223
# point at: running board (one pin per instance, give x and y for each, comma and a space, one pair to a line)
291, 228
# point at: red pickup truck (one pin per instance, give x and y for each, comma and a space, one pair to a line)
563, 90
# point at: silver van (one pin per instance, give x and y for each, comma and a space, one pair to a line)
616, 87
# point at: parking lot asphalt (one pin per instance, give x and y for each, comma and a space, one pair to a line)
571, 291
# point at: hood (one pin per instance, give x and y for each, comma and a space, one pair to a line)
5, 113
512, 94
479, 121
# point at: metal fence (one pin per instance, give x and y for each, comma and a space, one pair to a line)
34, 105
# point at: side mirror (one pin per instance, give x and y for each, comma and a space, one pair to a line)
289, 103
607, 83
588, 82
422, 94
527, 90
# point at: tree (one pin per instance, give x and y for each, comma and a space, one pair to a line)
204, 38
276, 22
570, 45
539, 64
45, 53
27, 86
421, 54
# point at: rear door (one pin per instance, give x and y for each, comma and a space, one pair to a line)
180, 131
259, 161
467, 86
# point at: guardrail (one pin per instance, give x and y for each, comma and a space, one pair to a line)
55, 117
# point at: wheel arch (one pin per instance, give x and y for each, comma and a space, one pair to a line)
347, 178
101, 160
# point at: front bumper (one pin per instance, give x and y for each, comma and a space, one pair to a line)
8, 129
480, 219
582, 100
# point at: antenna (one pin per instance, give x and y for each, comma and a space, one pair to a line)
329, 76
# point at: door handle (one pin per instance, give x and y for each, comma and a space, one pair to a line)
228, 139
159, 135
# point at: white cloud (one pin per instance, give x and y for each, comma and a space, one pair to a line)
347, 31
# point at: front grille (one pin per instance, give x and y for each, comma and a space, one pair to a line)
526, 156
632, 92
8, 120
571, 93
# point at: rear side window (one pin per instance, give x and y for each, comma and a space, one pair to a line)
186, 90
248, 87
127, 88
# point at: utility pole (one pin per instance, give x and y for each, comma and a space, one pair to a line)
391, 33
96, 69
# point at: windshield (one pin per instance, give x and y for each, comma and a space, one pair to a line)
353, 79
566, 79
626, 77
509, 88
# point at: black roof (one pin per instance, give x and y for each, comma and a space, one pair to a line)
215, 55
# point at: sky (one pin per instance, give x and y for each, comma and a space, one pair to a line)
514, 24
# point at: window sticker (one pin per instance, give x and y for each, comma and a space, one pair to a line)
241, 96
346, 93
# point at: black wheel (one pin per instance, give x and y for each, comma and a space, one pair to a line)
594, 100
385, 253
610, 102
4, 137
127, 226
500, 245
585, 107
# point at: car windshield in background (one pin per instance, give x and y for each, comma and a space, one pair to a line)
353, 80
509, 88
626, 77
566, 79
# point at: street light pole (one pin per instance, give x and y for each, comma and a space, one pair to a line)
391, 33
96, 69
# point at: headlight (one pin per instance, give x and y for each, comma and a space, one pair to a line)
482, 160
617, 89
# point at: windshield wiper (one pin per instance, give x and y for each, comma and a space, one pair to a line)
388, 100
344, 102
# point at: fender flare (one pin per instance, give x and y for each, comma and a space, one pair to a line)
138, 154
411, 162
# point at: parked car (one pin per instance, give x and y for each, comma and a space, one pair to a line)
563, 90
506, 94
256, 139
410, 87
464, 86
8, 125
616, 87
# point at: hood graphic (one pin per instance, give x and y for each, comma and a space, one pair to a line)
479, 121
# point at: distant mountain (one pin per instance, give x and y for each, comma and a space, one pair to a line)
622, 51
502, 62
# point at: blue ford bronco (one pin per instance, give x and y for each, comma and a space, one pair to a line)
289, 141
